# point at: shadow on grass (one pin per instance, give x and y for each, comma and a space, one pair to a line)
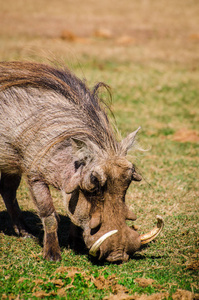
70, 236
34, 226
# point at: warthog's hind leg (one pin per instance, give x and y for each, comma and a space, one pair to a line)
43, 200
8, 187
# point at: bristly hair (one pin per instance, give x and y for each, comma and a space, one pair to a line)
62, 81
39, 75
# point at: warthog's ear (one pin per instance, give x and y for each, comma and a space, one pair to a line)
127, 143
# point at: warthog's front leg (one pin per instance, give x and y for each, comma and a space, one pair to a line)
51, 244
42, 198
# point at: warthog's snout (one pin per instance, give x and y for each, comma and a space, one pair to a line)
119, 248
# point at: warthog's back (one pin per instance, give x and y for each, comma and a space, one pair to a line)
41, 106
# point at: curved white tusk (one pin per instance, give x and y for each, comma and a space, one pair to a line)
97, 244
148, 237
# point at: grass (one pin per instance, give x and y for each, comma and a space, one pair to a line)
154, 80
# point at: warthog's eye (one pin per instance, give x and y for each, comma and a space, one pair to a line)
97, 188
95, 181
79, 163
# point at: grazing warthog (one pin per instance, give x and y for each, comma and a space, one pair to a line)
55, 130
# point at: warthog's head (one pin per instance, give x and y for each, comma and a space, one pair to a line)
98, 206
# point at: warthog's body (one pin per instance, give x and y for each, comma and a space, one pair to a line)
54, 130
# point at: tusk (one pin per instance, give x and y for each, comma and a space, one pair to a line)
148, 237
98, 243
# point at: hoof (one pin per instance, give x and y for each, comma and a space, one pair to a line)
52, 256
21, 231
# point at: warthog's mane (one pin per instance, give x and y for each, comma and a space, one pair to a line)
87, 112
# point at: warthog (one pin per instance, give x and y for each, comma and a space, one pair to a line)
55, 130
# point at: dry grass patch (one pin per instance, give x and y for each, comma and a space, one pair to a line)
141, 31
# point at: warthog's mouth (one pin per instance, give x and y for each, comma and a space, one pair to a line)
144, 238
